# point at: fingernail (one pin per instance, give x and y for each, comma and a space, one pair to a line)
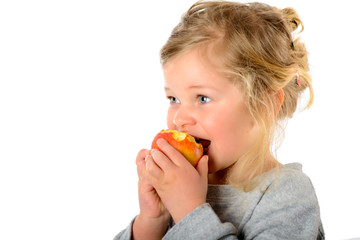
160, 141
153, 151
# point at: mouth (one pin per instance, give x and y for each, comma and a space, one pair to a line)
205, 143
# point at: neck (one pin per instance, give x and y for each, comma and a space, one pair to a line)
220, 177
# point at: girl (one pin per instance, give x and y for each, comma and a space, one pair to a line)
232, 72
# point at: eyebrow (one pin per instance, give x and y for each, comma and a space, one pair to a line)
196, 87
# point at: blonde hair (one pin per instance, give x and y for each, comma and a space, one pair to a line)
260, 56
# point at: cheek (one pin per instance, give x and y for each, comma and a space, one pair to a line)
232, 132
220, 129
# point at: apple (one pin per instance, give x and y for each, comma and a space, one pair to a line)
183, 142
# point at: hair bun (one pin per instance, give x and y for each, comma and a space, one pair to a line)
292, 18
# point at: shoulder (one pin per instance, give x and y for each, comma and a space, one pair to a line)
288, 192
288, 207
290, 178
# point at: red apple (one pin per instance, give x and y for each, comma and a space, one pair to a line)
183, 142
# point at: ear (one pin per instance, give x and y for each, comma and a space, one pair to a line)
280, 97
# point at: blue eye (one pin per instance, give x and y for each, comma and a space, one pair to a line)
173, 100
204, 99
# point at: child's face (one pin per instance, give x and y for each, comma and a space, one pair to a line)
208, 106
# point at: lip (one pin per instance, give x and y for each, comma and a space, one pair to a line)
205, 143
206, 150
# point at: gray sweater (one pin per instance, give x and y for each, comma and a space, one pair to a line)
286, 209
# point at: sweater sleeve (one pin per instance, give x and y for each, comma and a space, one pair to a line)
125, 234
202, 223
287, 210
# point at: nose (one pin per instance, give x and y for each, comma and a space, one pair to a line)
183, 118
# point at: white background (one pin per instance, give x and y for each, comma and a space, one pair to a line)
81, 94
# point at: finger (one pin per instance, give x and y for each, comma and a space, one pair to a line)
139, 166
162, 160
152, 170
141, 155
140, 159
202, 168
143, 182
174, 155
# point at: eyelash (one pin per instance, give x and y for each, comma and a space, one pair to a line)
200, 97
173, 99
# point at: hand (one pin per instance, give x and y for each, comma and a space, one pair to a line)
181, 187
152, 221
149, 201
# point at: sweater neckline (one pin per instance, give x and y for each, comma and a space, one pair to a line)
295, 166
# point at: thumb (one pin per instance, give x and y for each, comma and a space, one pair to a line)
202, 168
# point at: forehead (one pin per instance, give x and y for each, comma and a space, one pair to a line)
192, 68
207, 59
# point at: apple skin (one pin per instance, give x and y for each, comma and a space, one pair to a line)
182, 142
